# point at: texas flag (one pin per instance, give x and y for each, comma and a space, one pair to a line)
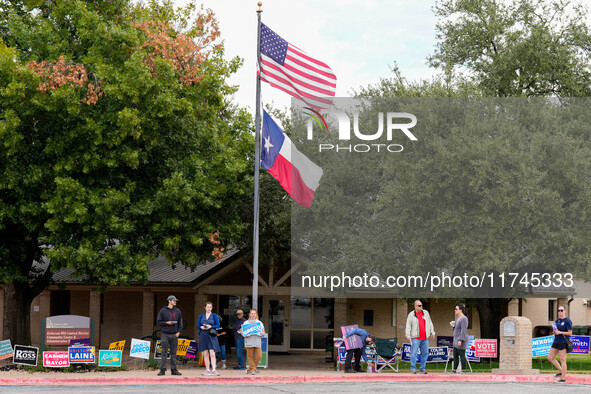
294, 171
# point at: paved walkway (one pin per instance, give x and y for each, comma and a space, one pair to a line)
284, 369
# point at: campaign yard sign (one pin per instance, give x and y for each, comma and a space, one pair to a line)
158, 351
81, 354
192, 350
56, 359
252, 328
109, 358
436, 354
541, 346
182, 347
25, 355
354, 341
486, 348
6, 350
119, 345
580, 344
445, 341
140, 349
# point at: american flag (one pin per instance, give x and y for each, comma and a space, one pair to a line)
288, 68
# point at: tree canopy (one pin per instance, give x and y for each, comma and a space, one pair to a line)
118, 141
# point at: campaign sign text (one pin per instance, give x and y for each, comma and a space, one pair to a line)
81, 354
140, 349
5, 349
109, 358
25, 355
59, 330
580, 344
354, 341
192, 350
436, 354
541, 346
119, 345
471, 350
486, 348
445, 341
80, 342
251, 328
56, 359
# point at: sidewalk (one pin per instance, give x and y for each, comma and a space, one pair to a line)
283, 369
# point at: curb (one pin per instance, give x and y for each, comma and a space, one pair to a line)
102, 381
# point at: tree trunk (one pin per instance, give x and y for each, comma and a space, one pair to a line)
490, 311
17, 313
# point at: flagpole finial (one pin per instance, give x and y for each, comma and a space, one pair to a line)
260, 4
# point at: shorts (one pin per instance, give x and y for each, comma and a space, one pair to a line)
559, 346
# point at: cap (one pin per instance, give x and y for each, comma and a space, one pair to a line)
239, 311
172, 298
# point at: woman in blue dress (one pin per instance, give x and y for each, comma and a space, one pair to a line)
208, 344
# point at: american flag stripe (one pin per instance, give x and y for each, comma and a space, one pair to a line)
291, 70
312, 100
298, 80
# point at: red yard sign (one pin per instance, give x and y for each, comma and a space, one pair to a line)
486, 348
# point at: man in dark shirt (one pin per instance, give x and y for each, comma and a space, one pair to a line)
171, 321
238, 338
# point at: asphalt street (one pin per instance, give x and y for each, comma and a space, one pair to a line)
373, 387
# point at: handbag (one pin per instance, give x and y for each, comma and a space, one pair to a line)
213, 332
569, 344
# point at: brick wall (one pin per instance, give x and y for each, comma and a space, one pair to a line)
122, 318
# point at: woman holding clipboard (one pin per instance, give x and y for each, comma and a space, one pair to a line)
253, 330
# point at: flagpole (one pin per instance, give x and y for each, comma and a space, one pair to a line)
257, 167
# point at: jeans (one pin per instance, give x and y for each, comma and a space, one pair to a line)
240, 351
223, 352
169, 341
414, 349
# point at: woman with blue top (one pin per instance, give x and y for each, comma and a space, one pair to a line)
208, 344
563, 327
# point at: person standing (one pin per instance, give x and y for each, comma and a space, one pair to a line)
238, 338
460, 329
222, 336
253, 343
563, 327
359, 353
418, 328
171, 321
208, 343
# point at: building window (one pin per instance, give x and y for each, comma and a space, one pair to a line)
368, 318
312, 322
551, 310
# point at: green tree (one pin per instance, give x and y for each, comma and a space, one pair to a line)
118, 143
516, 48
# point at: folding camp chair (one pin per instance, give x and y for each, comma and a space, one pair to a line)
387, 354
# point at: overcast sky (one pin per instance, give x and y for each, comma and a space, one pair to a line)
359, 40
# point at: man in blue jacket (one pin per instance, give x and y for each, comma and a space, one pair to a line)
358, 353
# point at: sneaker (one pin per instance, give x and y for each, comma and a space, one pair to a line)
424, 371
224, 366
559, 380
176, 372
253, 372
453, 371
413, 371
206, 373
559, 374
214, 373
162, 372
239, 368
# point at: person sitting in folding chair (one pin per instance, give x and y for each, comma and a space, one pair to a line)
358, 353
